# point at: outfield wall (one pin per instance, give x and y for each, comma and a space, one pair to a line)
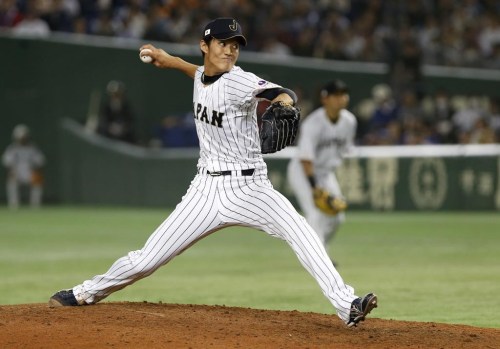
463, 177
96, 170
99, 171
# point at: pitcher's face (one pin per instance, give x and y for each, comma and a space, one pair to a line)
220, 55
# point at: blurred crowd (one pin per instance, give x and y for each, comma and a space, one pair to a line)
436, 119
447, 32
403, 34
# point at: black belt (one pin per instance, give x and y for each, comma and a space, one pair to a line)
248, 172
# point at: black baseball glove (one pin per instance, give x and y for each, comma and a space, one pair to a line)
280, 123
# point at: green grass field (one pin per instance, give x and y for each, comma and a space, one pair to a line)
433, 267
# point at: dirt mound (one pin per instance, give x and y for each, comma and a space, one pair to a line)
148, 325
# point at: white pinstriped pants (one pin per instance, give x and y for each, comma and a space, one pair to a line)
210, 204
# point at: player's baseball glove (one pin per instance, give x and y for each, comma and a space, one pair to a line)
280, 123
327, 203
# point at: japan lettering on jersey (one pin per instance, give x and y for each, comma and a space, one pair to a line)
226, 120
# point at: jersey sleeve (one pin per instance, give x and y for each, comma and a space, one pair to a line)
350, 138
199, 71
8, 157
38, 158
244, 86
262, 85
307, 142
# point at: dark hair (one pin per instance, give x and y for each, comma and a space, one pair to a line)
207, 40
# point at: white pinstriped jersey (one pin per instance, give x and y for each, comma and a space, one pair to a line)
226, 120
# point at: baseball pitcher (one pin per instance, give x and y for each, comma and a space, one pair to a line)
230, 186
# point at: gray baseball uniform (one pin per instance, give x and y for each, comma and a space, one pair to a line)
230, 188
324, 144
22, 160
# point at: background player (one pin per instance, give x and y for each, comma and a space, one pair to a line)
231, 185
24, 162
326, 135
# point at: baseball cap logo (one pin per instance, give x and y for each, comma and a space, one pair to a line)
224, 29
233, 26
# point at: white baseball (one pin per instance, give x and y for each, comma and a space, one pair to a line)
144, 55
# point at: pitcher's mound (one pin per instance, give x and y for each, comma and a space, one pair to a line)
149, 326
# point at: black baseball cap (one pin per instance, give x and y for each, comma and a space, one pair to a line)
333, 87
223, 29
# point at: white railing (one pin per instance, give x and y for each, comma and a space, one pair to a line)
407, 151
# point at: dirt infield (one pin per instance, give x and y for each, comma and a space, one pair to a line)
148, 325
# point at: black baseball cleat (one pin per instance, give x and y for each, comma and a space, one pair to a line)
361, 307
63, 298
